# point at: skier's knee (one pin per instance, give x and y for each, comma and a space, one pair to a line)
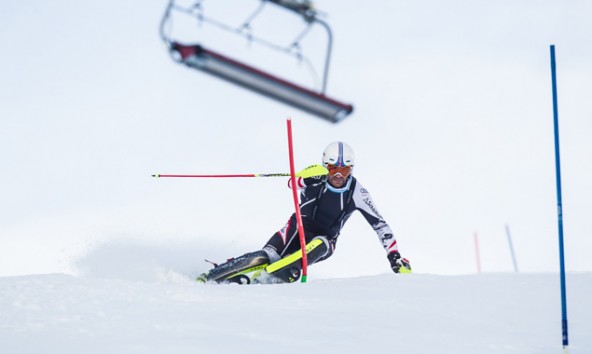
322, 251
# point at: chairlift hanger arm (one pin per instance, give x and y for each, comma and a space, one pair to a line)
165, 20
329, 49
306, 9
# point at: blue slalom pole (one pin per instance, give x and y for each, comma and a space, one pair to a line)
511, 248
559, 204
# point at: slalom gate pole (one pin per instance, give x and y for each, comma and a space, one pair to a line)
511, 248
477, 252
559, 205
296, 203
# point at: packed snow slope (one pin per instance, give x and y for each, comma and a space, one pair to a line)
387, 313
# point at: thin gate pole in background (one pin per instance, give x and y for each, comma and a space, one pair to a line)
559, 204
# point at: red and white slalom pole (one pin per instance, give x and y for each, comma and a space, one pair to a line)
296, 202
477, 251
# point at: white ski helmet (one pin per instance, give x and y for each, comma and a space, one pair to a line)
338, 153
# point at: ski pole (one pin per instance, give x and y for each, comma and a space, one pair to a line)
310, 171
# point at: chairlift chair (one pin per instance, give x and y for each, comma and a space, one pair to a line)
199, 57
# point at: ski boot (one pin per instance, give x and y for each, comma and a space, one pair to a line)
235, 269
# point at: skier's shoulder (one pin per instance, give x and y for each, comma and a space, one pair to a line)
358, 187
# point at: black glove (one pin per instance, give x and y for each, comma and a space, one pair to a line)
398, 264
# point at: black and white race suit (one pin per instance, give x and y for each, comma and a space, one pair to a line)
324, 213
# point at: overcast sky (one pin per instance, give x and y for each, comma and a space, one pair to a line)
452, 128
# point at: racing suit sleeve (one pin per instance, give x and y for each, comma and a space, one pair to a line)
302, 183
365, 205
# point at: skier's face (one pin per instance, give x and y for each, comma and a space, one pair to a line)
337, 180
338, 175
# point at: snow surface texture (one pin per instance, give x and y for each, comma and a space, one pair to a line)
418, 313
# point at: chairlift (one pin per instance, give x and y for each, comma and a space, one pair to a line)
200, 57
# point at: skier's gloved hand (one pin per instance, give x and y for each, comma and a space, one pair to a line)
399, 264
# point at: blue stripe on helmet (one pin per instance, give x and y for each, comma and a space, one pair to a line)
340, 161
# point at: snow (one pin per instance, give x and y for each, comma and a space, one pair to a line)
417, 313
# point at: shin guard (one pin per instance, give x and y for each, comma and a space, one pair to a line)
288, 269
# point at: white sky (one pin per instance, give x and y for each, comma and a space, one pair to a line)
452, 129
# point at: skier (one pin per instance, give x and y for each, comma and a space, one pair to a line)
326, 203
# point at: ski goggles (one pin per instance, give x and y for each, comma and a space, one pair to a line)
343, 170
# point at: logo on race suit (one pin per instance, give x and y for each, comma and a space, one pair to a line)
385, 237
370, 205
363, 191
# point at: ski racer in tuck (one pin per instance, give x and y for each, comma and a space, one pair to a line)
326, 203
